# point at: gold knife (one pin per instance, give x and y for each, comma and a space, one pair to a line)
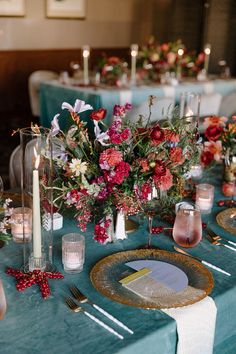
202, 261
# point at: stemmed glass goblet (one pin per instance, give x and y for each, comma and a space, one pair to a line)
151, 208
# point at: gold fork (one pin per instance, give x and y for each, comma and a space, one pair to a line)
76, 308
214, 239
84, 299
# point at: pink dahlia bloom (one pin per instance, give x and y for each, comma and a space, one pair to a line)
165, 181
110, 158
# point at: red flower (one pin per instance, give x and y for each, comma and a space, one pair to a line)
145, 190
206, 157
98, 115
171, 136
157, 135
160, 169
100, 233
213, 132
176, 154
165, 181
110, 158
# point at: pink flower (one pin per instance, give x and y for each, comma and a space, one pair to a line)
144, 164
214, 120
171, 57
120, 111
176, 154
171, 136
214, 147
116, 137
110, 158
165, 47
164, 182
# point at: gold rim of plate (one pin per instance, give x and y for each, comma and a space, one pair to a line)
223, 218
105, 276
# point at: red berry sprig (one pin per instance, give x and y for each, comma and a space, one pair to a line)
157, 229
229, 203
25, 280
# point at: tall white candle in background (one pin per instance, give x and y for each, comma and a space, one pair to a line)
86, 53
37, 252
207, 51
180, 56
134, 53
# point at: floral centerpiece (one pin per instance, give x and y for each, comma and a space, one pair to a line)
155, 59
112, 69
220, 145
118, 167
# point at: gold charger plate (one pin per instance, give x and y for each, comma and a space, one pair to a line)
105, 276
225, 220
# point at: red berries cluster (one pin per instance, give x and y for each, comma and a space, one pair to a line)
229, 203
25, 280
157, 230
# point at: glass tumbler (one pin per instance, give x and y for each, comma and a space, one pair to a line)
187, 230
73, 247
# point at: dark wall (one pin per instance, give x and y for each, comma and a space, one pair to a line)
198, 22
17, 65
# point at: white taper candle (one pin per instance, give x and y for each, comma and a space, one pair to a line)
86, 53
37, 252
134, 53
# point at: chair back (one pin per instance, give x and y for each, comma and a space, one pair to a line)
228, 105
33, 84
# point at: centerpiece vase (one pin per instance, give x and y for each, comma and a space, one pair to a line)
120, 231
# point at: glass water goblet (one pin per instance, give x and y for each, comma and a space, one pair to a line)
187, 230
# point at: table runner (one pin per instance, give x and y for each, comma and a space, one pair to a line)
195, 326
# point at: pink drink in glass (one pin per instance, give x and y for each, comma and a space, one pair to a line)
187, 230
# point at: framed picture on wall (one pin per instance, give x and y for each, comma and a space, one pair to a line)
65, 8
12, 8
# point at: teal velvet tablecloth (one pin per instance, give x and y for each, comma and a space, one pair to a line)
33, 325
52, 94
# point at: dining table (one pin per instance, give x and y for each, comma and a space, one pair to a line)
53, 93
34, 325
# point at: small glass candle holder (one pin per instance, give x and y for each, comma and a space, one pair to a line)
196, 172
204, 197
73, 247
21, 225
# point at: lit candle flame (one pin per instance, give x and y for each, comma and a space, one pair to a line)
189, 113
134, 50
180, 52
86, 51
